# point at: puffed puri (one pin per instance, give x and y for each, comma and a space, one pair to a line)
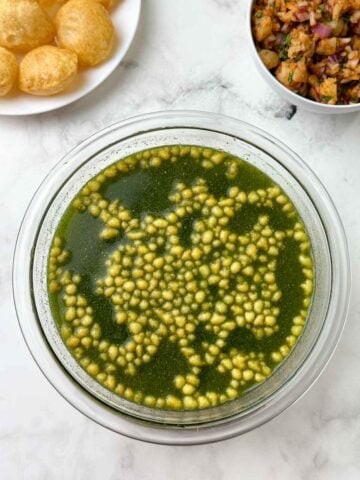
85, 27
106, 3
24, 25
47, 70
8, 71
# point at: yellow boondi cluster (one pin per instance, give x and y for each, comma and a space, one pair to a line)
164, 287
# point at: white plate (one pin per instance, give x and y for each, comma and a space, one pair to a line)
125, 16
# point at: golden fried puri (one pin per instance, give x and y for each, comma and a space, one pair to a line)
50, 2
24, 25
8, 71
47, 70
85, 27
106, 3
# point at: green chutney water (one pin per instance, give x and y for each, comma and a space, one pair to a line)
180, 277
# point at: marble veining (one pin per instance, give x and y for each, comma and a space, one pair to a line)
187, 54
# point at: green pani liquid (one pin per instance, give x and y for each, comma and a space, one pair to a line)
180, 277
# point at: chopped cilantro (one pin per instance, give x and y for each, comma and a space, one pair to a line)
290, 76
297, 58
259, 14
283, 55
287, 40
326, 98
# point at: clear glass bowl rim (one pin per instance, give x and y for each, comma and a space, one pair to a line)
267, 408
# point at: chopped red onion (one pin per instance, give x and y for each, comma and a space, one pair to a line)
316, 94
323, 31
335, 58
302, 15
287, 27
280, 39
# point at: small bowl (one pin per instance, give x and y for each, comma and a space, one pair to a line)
285, 93
261, 403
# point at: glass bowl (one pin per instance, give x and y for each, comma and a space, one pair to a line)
261, 403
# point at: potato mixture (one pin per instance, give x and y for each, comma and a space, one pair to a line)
311, 46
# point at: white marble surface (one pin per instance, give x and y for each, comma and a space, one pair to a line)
187, 54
